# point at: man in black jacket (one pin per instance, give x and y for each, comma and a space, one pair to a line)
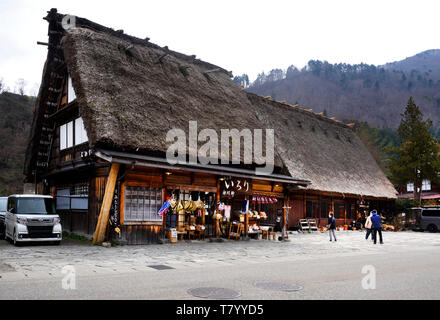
332, 225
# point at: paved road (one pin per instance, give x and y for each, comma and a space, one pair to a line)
407, 266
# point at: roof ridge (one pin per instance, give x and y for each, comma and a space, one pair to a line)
308, 111
96, 27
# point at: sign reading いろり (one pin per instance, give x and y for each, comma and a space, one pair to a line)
230, 187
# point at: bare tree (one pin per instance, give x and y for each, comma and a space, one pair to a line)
20, 85
2, 85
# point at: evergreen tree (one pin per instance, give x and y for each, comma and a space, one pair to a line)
417, 156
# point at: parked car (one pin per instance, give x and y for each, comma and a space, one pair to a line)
3, 202
32, 218
430, 219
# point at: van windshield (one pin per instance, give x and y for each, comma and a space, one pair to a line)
431, 213
35, 206
3, 202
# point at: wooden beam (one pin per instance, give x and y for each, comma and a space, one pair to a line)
285, 205
106, 204
217, 199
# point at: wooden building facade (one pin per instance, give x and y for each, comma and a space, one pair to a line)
99, 145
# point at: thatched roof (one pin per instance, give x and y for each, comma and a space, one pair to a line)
131, 92
129, 99
327, 152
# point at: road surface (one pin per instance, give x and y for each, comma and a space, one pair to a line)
407, 266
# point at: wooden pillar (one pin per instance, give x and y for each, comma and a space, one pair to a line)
285, 205
164, 217
217, 197
333, 205
304, 206
101, 226
246, 224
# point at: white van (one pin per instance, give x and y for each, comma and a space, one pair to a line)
32, 218
430, 219
3, 202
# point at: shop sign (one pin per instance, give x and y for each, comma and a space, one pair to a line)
234, 186
263, 199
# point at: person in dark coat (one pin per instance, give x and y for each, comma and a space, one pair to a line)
332, 225
377, 226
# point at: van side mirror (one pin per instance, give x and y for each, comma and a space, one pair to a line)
12, 210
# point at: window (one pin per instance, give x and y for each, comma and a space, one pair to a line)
325, 209
339, 210
3, 202
351, 211
75, 197
11, 204
72, 133
80, 132
312, 209
70, 91
63, 199
426, 185
63, 137
79, 199
431, 213
35, 206
141, 204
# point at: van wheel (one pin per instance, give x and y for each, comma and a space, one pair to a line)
16, 243
432, 228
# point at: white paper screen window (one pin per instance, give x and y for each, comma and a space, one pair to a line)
63, 137
70, 91
80, 132
70, 134
426, 185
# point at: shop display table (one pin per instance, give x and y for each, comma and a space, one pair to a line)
255, 234
267, 231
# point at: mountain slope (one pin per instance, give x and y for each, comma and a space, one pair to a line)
15, 120
426, 62
366, 93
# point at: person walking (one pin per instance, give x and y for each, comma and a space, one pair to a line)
369, 227
377, 226
332, 225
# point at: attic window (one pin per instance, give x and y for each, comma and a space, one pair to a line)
72, 134
71, 95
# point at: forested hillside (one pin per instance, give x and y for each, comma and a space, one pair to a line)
365, 93
15, 121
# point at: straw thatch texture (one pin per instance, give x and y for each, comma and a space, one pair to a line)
328, 153
129, 99
131, 92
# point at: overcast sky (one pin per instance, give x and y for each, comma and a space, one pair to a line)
241, 36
